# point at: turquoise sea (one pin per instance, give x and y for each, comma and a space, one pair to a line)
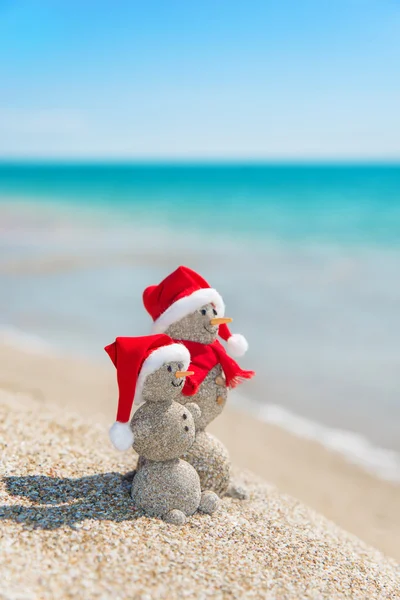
307, 258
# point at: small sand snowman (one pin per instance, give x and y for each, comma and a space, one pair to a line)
185, 307
153, 369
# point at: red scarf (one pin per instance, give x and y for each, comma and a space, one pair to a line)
205, 357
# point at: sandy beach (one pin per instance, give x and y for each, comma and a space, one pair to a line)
361, 504
69, 530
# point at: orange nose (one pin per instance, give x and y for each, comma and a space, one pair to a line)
221, 321
184, 374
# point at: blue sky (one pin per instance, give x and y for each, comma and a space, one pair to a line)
309, 79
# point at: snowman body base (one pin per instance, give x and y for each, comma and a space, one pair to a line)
211, 460
164, 486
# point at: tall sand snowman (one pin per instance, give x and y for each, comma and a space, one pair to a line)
186, 308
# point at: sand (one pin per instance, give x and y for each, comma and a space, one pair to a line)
360, 503
69, 529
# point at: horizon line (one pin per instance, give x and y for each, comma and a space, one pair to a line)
182, 161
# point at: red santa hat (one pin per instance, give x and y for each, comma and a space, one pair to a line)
135, 358
182, 293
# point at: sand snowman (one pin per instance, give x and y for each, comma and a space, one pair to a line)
185, 307
153, 369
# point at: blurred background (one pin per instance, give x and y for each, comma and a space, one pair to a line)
256, 142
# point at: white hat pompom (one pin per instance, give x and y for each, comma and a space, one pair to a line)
237, 344
121, 436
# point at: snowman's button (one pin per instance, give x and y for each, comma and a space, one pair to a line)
220, 400
184, 416
186, 428
220, 380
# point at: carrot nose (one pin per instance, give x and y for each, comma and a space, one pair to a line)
184, 374
221, 321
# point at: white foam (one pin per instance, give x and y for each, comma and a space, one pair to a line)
352, 446
11, 336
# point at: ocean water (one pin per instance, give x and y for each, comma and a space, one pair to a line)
306, 257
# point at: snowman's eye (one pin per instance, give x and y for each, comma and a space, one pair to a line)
203, 311
215, 312
169, 368
180, 366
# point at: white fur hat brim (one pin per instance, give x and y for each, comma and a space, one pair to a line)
187, 305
